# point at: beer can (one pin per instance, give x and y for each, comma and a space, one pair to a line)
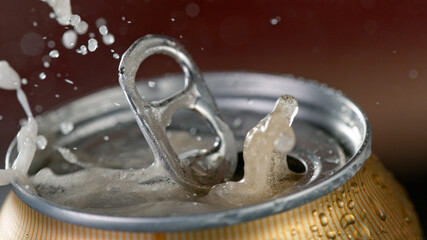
345, 191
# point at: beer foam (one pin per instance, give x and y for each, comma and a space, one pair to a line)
264, 153
62, 9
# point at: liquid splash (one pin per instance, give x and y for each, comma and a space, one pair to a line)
27, 136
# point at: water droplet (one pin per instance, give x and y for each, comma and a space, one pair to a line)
250, 101
52, 15
407, 213
275, 21
108, 39
314, 228
364, 213
103, 30
75, 20
331, 234
54, 54
1, 117
46, 64
116, 56
69, 39
42, 76
26, 235
362, 232
92, 45
340, 202
106, 138
35, 24
350, 204
100, 21
314, 212
82, 50
69, 81
66, 127
354, 187
192, 10
323, 219
293, 232
24, 81
41, 142
81, 28
378, 180
51, 44
379, 210
347, 219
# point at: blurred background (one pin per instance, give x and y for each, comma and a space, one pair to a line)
374, 51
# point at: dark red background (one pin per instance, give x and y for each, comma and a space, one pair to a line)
365, 48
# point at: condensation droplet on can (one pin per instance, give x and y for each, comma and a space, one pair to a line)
323, 219
293, 232
378, 180
340, 202
347, 219
350, 204
331, 234
314, 228
379, 210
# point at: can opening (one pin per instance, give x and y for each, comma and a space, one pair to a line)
296, 165
240, 169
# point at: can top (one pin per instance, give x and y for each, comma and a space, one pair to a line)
333, 141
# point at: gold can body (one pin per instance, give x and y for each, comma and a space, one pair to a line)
371, 205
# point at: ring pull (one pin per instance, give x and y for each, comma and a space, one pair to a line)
198, 169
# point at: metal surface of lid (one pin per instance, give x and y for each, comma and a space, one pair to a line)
333, 141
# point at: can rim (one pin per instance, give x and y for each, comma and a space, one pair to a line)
207, 220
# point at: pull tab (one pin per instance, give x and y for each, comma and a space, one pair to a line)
196, 169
